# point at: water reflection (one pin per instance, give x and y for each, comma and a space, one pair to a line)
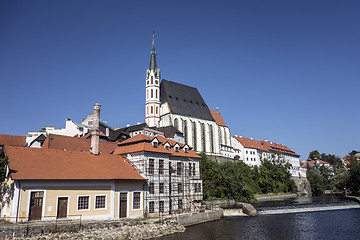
338, 224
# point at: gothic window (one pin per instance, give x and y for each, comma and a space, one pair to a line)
157, 110
211, 134
194, 135
185, 130
203, 143
176, 123
152, 110
156, 93
220, 137
152, 80
152, 94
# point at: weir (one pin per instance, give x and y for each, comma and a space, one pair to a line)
306, 207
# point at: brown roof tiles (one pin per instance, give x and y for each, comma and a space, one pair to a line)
41, 164
12, 140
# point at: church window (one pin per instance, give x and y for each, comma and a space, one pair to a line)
152, 94
156, 110
176, 123
156, 93
203, 143
220, 137
194, 135
211, 133
147, 82
156, 82
185, 130
152, 110
152, 80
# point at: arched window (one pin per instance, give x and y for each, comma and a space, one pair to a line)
185, 130
211, 135
176, 123
226, 138
152, 110
194, 135
220, 136
152, 80
156, 110
156, 93
152, 94
203, 143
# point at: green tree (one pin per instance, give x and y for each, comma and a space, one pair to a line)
3, 164
317, 181
340, 180
314, 155
354, 179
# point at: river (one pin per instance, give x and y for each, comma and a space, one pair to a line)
335, 224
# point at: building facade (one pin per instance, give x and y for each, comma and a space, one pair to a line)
172, 172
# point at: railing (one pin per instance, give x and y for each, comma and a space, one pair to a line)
49, 223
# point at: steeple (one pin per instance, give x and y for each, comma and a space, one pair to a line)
153, 56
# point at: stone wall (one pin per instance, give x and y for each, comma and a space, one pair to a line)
303, 185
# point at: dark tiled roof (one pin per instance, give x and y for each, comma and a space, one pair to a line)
184, 100
114, 136
169, 131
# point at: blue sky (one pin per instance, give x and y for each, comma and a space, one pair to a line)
287, 71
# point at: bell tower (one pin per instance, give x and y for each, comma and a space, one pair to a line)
152, 104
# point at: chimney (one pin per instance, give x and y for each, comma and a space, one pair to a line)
95, 131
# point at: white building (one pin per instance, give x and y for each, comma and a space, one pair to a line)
252, 152
173, 104
171, 169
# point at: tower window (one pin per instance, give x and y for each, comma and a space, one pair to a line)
152, 80
156, 110
156, 93
152, 94
152, 109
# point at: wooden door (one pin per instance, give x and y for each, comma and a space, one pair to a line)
36, 202
62, 207
123, 205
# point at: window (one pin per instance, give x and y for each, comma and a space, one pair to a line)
190, 169
100, 202
161, 166
151, 188
151, 93
194, 171
186, 149
170, 168
167, 146
185, 130
194, 135
161, 206
203, 143
180, 204
152, 80
152, 109
156, 93
197, 187
176, 123
161, 187
147, 94
179, 168
83, 202
136, 201
156, 110
211, 132
151, 166
170, 188
176, 148
180, 188
246, 152
151, 207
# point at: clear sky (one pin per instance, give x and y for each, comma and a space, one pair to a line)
286, 71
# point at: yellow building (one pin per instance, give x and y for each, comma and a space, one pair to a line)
46, 184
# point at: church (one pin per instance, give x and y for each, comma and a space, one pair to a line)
173, 104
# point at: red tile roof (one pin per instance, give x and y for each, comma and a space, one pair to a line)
75, 144
142, 143
218, 118
265, 146
12, 140
50, 164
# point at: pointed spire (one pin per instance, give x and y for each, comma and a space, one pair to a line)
153, 56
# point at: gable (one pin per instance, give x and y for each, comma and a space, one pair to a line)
184, 100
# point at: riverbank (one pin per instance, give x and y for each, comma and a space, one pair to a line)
274, 197
107, 229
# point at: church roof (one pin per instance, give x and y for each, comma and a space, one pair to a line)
184, 100
218, 118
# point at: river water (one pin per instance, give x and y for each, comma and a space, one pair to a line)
335, 224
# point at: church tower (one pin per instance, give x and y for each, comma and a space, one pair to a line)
152, 104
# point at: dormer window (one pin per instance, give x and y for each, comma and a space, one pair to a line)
176, 147
155, 142
186, 148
